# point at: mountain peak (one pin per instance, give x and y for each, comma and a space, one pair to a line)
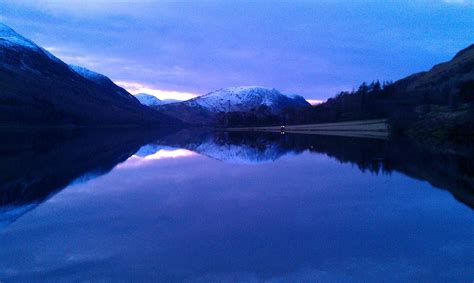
247, 88
248, 91
245, 98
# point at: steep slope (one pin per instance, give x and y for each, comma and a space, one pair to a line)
36, 88
103, 81
445, 82
203, 109
438, 102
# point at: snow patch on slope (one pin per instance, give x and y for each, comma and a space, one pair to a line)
88, 74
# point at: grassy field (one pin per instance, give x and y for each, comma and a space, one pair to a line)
364, 128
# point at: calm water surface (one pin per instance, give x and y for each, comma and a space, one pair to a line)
203, 207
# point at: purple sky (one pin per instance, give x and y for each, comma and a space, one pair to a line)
186, 48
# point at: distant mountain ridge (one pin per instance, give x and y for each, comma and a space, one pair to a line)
37, 89
204, 109
151, 100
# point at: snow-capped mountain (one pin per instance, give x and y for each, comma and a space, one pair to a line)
37, 88
244, 99
204, 109
150, 100
147, 99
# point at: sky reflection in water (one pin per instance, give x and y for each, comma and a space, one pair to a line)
170, 214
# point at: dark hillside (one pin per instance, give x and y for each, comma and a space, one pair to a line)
438, 102
38, 89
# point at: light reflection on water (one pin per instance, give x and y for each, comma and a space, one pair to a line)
239, 208
139, 159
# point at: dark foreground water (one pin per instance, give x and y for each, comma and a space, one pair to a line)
203, 207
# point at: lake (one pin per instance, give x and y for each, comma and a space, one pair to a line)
199, 206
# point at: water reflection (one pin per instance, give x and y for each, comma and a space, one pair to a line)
205, 206
35, 165
445, 166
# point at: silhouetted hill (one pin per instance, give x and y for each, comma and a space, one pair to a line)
438, 102
446, 83
37, 164
36, 88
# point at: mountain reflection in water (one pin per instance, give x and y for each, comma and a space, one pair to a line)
144, 205
36, 166
445, 166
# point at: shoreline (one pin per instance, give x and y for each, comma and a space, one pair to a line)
377, 128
